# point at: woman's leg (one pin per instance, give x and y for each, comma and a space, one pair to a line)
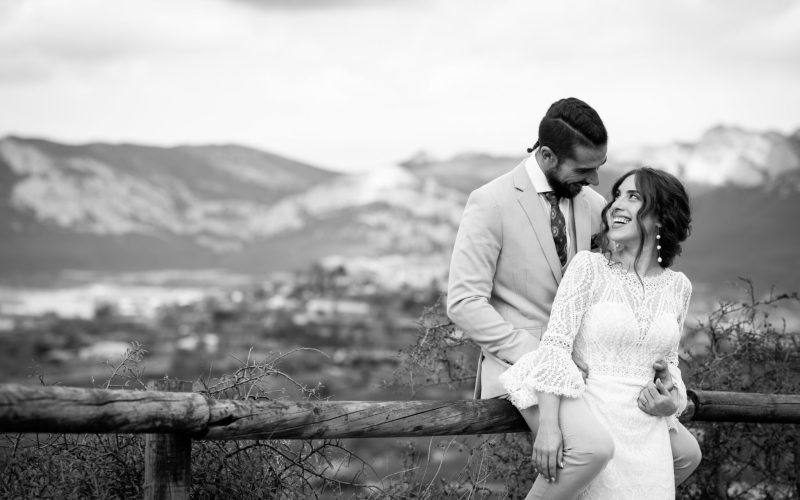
587, 449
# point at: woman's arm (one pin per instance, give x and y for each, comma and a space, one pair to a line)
681, 399
666, 396
548, 449
549, 373
550, 368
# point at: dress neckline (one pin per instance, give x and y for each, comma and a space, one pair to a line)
650, 281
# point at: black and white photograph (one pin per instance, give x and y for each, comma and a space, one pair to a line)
400, 249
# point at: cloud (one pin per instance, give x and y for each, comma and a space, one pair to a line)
19, 69
306, 5
366, 79
87, 35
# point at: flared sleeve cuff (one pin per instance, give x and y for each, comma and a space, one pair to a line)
547, 369
680, 387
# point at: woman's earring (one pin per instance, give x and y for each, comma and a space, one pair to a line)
658, 243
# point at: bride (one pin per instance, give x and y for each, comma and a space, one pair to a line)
619, 312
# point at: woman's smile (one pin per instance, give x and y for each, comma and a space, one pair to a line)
619, 221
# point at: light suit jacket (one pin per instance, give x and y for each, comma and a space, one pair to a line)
505, 270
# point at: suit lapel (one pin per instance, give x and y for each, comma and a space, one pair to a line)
528, 199
582, 219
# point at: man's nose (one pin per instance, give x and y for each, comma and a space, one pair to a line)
593, 178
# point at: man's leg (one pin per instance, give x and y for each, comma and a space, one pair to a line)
686, 453
587, 450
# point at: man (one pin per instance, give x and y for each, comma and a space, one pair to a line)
516, 238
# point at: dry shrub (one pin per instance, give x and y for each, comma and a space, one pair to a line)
747, 351
112, 465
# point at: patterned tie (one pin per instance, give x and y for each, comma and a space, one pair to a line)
558, 226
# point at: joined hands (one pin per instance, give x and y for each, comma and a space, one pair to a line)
658, 397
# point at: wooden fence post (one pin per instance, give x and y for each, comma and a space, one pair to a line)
167, 457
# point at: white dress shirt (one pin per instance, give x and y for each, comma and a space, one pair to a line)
541, 186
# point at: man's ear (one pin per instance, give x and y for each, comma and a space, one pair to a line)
548, 156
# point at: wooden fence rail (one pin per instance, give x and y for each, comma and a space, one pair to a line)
182, 416
76, 410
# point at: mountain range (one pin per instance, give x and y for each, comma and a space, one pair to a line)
123, 207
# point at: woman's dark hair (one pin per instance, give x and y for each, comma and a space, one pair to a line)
664, 196
570, 122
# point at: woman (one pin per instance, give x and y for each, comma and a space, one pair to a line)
619, 312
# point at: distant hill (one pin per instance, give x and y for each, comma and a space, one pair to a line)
129, 208
751, 232
463, 172
126, 207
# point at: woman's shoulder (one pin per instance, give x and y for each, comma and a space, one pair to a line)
589, 257
683, 281
679, 281
581, 271
587, 261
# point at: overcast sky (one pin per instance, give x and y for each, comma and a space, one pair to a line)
352, 84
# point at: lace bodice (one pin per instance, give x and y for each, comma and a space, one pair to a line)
615, 323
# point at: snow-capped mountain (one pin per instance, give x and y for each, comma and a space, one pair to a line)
722, 156
130, 208
198, 206
212, 194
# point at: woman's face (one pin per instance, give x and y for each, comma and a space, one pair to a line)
622, 214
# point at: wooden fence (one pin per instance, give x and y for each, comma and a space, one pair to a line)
172, 416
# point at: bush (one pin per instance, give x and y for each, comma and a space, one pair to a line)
746, 352
112, 465
440, 363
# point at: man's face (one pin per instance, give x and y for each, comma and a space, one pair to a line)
569, 176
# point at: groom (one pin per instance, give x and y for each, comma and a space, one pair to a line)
516, 238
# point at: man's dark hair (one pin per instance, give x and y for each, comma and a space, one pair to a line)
570, 122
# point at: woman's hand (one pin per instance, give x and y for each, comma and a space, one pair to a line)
548, 450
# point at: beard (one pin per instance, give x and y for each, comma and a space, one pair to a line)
562, 189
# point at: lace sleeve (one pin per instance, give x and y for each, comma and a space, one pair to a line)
550, 368
672, 357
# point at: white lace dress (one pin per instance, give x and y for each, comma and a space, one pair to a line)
618, 328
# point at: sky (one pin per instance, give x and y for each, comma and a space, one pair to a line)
356, 84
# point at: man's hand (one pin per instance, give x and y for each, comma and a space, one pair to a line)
658, 397
663, 374
656, 400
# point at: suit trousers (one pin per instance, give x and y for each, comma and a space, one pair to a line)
588, 448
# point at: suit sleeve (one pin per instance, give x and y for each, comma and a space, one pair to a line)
472, 269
